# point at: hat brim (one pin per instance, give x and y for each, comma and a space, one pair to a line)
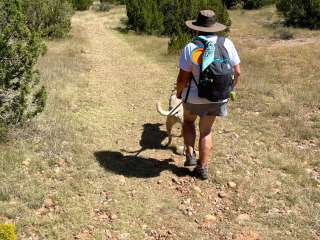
217, 27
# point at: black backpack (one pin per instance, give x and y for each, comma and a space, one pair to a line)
216, 81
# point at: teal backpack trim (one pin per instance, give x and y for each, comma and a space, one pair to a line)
209, 51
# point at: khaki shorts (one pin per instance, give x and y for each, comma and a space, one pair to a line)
211, 109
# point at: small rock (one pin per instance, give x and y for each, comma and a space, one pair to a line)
247, 235
124, 236
113, 217
122, 180
308, 170
252, 201
108, 234
274, 211
175, 180
61, 163
222, 195
90, 228
234, 135
180, 150
83, 51
197, 189
198, 195
278, 183
276, 191
242, 218
209, 219
42, 211
26, 162
232, 184
48, 203
287, 232
160, 181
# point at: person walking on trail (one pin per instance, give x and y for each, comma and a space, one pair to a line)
209, 70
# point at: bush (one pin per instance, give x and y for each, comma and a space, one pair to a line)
21, 97
82, 5
284, 34
300, 13
50, 18
254, 4
7, 232
114, 1
104, 5
232, 3
145, 16
167, 17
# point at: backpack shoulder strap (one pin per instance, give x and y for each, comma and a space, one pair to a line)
221, 40
222, 49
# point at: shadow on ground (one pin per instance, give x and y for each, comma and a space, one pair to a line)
135, 166
151, 138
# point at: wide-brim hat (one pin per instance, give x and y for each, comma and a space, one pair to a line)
206, 22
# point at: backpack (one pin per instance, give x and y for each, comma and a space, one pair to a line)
216, 80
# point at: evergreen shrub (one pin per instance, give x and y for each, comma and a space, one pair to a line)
7, 232
114, 1
167, 17
82, 5
255, 4
300, 12
21, 96
105, 5
145, 16
232, 3
50, 18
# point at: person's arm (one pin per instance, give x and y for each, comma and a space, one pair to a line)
182, 81
237, 73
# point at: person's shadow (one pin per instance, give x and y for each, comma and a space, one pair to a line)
135, 166
152, 138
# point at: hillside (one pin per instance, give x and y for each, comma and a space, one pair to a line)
71, 173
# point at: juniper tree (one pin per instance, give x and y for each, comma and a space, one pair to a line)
21, 96
168, 17
301, 12
50, 18
189, 9
82, 4
231, 3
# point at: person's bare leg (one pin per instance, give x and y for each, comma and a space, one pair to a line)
205, 140
189, 131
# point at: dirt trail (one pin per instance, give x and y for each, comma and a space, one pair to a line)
122, 83
122, 89
154, 197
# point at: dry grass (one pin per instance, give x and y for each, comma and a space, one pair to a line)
65, 175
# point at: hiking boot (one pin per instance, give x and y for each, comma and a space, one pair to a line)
191, 160
201, 172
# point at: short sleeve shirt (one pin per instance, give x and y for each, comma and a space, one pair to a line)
189, 61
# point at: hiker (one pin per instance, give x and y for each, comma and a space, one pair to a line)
210, 68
